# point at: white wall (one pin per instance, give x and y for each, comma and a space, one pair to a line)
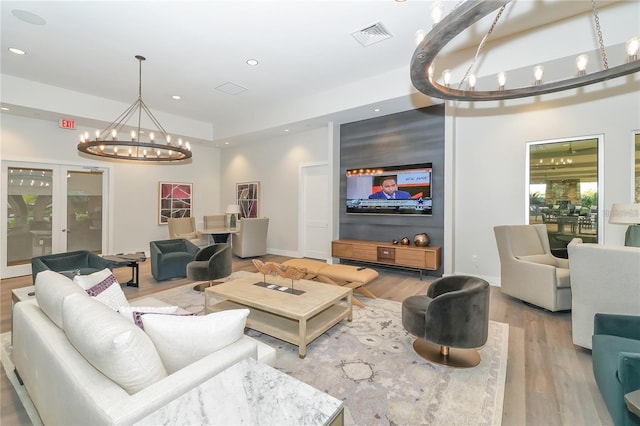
275, 164
134, 185
489, 169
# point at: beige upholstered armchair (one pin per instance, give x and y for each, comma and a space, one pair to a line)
185, 228
215, 221
529, 271
604, 279
251, 239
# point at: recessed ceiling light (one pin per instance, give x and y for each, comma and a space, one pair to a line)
286, 130
226, 143
376, 110
17, 51
176, 97
4, 108
252, 62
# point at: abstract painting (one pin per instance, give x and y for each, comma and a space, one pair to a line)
248, 198
175, 200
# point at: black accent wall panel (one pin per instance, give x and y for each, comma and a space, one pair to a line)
410, 137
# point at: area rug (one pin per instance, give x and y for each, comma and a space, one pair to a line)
370, 364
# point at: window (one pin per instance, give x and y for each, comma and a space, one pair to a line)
563, 183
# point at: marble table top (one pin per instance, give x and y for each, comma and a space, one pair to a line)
249, 393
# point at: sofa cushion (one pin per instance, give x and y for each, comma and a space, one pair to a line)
112, 344
175, 336
133, 313
563, 278
51, 289
104, 287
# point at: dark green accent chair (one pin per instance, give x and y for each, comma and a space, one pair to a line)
81, 262
616, 362
453, 314
211, 263
169, 258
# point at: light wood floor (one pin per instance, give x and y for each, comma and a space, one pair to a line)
549, 380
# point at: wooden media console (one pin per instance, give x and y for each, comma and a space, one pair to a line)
410, 257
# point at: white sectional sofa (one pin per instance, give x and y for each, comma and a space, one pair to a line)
129, 383
604, 279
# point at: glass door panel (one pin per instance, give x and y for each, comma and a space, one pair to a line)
84, 211
563, 185
29, 213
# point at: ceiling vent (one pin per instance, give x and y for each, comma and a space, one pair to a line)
231, 88
371, 34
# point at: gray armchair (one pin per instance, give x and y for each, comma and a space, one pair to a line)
528, 270
80, 262
251, 239
453, 313
210, 263
169, 258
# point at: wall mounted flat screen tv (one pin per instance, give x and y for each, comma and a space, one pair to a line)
403, 189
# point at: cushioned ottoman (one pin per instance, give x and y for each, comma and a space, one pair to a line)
346, 275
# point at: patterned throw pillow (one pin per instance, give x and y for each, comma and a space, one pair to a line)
104, 287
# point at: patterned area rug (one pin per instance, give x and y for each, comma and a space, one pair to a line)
370, 364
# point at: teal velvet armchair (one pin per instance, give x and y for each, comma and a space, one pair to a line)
80, 262
616, 362
169, 258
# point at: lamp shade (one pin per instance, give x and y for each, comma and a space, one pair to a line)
233, 209
625, 214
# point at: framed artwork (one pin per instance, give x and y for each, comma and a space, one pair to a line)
248, 198
174, 200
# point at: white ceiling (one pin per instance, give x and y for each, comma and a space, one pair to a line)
192, 47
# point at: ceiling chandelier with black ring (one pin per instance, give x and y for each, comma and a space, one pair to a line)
107, 144
468, 13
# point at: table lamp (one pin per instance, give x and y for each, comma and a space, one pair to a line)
233, 210
627, 214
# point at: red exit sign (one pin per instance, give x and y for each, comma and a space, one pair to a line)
67, 124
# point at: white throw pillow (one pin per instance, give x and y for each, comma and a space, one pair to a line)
103, 286
133, 313
113, 345
51, 289
182, 340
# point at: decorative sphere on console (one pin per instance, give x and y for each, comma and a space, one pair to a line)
405, 241
421, 240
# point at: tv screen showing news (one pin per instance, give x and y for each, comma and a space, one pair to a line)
390, 190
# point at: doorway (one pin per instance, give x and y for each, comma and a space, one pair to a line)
50, 209
315, 236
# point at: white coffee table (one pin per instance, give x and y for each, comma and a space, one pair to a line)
250, 393
294, 318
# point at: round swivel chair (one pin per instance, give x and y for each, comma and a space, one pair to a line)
453, 313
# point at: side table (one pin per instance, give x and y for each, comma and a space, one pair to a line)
131, 260
251, 393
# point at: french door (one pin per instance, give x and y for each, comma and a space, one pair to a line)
50, 209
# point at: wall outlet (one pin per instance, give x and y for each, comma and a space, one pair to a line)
474, 258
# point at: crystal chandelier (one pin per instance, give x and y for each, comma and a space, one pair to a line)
471, 11
106, 143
